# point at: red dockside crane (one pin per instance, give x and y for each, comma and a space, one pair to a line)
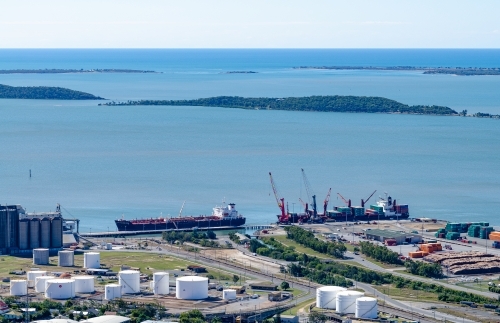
347, 202
283, 218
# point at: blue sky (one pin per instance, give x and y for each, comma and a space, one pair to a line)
249, 24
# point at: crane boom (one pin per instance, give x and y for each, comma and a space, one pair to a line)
348, 203
363, 202
309, 191
325, 203
280, 200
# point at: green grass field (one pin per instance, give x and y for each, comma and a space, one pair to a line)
147, 263
407, 293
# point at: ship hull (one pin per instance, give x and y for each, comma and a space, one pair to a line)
125, 225
351, 218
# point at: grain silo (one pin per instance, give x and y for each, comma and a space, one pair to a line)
56, 233
191, 287
160, 283
326, 296
366, 308
18, 287
112, 291
40, 256
60, 288
66, 258
346, 301
84, 284
130, 281
45, 232
24, 234
34, 233
92, 260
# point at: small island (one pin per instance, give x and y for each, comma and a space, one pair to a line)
461, 71
43, 93
334, 103
240, 72
67, 71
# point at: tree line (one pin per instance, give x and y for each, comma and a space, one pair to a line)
307, 239
328, 103
44, 93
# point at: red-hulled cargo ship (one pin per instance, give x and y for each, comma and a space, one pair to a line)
222, 216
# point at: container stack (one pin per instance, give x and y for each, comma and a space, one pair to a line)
358, 211
452, 235
441, 233
484, 232
495, 236
344, 210
377, 208
402, 208
474, 231
430, 248
416, 254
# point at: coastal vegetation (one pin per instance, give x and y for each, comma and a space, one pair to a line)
43, 93
380, 253
307, 239
334, 103
66, 71
462, 71
204, 239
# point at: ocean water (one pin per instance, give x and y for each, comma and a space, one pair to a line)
144, 161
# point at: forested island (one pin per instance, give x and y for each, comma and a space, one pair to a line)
334, 103
462, 71
66, 71
43, 92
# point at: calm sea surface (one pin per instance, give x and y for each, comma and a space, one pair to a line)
102, 162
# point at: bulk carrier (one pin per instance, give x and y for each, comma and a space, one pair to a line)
222, 216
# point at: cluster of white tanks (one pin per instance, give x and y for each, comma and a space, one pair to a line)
33, 274
346, 302
191, 287
92, 260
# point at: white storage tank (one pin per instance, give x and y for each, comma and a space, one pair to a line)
112, 291
229, 294
160, 283
66, 258
130, 281
191, 287
40, 256
346, 301
60, 288
33, 274
109, 246
18, 287
92, 260
366, 308
84, 284
40, 283
326, 296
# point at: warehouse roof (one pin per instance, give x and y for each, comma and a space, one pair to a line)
388, 234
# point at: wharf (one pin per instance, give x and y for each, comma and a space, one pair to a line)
118, 234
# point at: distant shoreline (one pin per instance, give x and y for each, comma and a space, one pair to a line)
73, 71
460, 71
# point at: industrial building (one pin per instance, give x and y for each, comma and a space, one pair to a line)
400, 237
21, 232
